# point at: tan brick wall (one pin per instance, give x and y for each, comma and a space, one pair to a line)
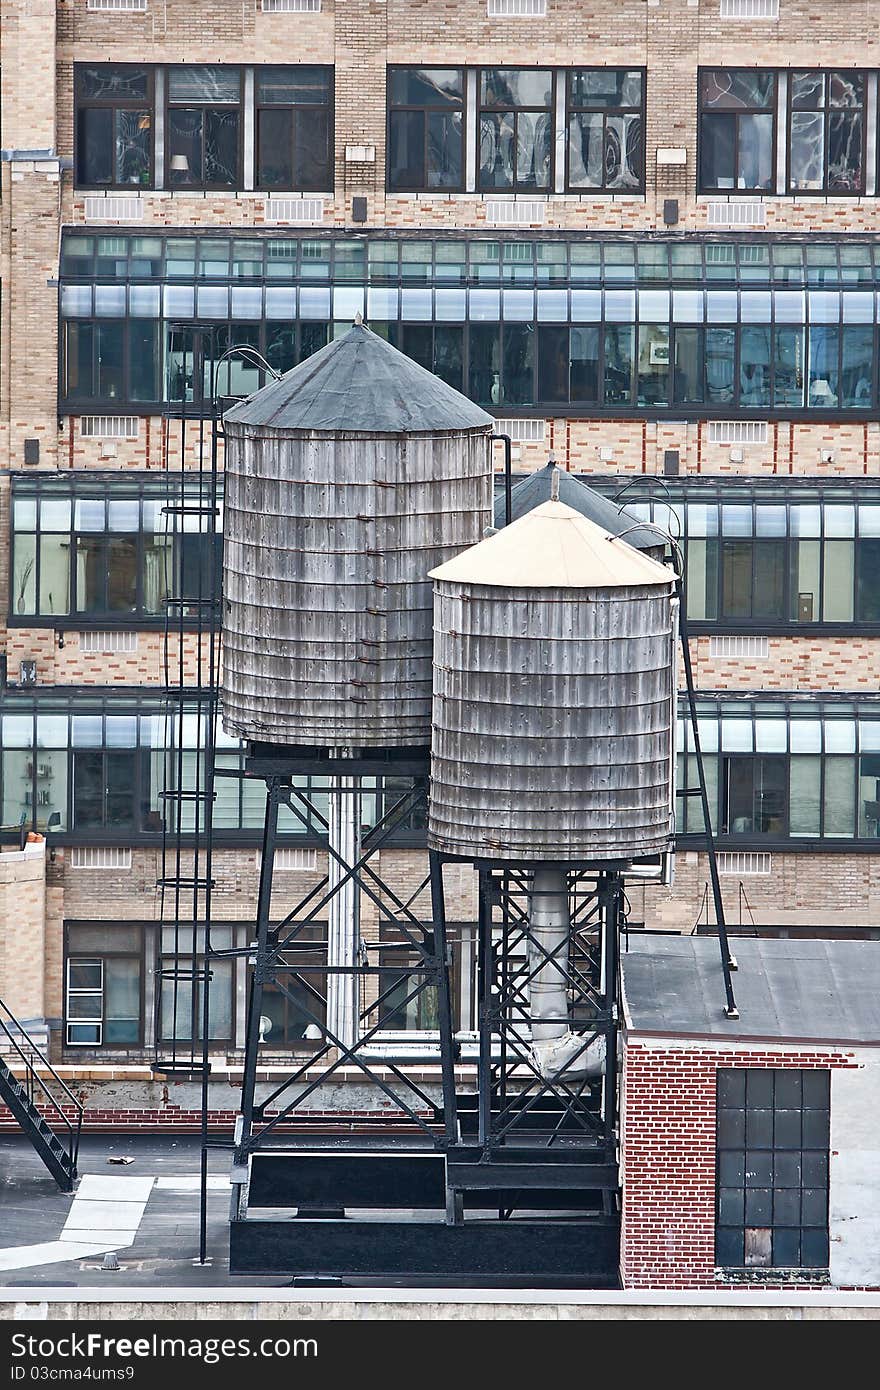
826, 890
70, 665
22, 932
794, 663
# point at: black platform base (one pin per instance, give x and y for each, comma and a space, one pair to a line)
557, 1253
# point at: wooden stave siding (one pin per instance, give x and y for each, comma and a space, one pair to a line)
553, 723
314, 525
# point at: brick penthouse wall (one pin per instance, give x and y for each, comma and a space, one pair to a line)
814, 889
667, 1154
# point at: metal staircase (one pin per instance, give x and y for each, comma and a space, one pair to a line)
58, 1147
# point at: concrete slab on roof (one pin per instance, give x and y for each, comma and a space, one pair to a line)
554, 547
537, 488
359, 384
816, 990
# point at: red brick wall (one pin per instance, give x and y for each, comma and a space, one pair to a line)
668, 1155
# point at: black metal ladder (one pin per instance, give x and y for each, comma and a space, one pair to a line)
57, 1146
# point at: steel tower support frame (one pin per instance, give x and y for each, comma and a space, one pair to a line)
274, 952
520, 1113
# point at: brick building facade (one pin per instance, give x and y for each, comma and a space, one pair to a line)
644, 236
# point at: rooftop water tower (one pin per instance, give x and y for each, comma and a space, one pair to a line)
554, 696
552, 765
346, 481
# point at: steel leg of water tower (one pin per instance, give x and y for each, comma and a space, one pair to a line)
728, 964
613, 894
264, 903
486, 980
444, 998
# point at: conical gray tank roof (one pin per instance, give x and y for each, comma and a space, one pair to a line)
360, 384
537, 488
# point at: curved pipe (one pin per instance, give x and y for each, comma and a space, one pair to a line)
555, 1048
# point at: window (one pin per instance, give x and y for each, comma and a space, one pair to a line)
294, 136
724, 328
826, 132
606, 115
114, 126
181, 1013
404, 1005
203, 130
425, 129
777, 771
772, 1168
108, 552
104, 976
737, 129
755, 795
297, 1013
516, 129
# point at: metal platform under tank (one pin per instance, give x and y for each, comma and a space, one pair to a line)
499, 1177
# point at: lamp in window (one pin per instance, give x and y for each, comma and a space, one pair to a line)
180, 167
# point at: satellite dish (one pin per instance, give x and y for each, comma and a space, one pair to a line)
265, 1027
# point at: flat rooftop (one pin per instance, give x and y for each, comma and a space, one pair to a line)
811, 990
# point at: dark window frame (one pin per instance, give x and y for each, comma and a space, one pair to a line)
202, 184
408, 107
572, 110
791, 109
704, 188
325, 185
504, 108
103, 954
82, 103
764, 1161
106, 491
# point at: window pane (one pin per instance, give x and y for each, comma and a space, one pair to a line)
517, 380
845, 151
204, 84
805, 795
275, 149
586, 153
720, 359
122, 1001
653, 375
839, 809
857, 366
497, 135
619, 342
54, 575
718, 151
553, 364
807, 150
585, 364
292, 86
94, 146
754, 367
444, 166
838, 581
221, 147
824, 346
24, 574
425, 86
516, 87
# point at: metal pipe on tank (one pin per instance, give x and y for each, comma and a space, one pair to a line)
343, 912
555, 1047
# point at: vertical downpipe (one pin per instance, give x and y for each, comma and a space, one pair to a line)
343, 913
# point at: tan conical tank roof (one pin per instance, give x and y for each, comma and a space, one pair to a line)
554, 547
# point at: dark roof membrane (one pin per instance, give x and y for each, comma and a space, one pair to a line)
532, 491
823, 990
360, 384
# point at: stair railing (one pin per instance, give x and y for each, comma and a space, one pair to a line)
35, 1086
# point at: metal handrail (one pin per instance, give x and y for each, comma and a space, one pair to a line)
34, 1080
